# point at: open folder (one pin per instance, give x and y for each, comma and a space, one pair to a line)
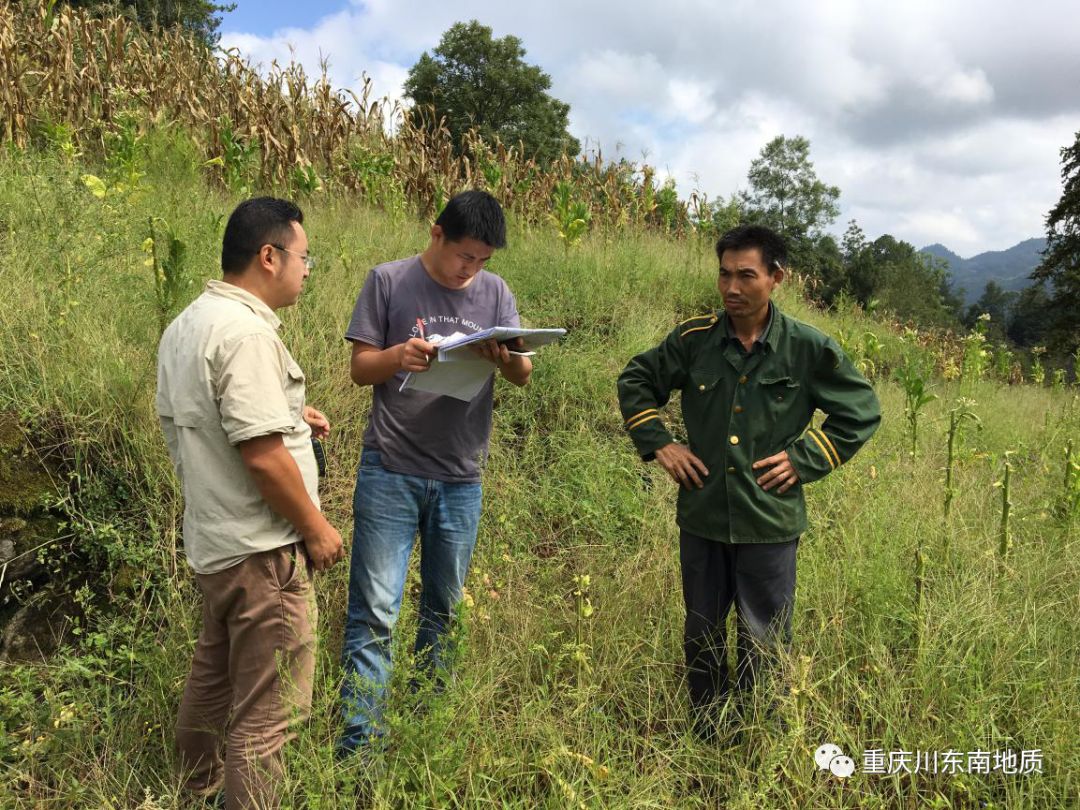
457, 372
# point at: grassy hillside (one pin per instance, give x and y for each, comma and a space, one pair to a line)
553, 705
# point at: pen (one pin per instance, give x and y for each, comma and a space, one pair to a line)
420, 326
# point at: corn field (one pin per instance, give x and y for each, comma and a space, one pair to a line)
79, 81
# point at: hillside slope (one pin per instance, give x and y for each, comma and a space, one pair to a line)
553, 705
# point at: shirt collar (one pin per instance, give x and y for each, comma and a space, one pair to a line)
767, 336
224, 289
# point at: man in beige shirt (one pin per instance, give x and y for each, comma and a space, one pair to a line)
231, 403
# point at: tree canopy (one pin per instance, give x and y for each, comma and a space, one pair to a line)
785, 192
199, 17
1060, 266
473, 80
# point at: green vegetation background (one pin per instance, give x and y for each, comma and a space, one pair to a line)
567, 692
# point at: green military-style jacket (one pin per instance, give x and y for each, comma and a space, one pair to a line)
740, 408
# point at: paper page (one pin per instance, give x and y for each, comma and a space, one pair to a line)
454, 348
458, 373
461, 379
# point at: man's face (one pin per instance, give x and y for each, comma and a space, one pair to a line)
457, 263
291, 270
746, 283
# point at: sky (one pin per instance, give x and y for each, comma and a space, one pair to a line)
939, 121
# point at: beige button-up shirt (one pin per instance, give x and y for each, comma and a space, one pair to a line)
224, 376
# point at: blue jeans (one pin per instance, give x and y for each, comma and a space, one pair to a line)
388, 510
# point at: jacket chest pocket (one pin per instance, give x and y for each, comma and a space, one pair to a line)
781, 395
703, 382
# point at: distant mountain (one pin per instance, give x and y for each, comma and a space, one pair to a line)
1009, 268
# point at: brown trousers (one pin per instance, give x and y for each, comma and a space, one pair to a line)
251, 676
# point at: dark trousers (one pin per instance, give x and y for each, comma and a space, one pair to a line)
760, 579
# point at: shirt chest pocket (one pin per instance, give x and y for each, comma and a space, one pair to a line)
781, 397
192, 407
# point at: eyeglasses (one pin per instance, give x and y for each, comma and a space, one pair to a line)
309, 260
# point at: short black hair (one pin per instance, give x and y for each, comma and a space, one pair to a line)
254, 223
771, 244
474, 215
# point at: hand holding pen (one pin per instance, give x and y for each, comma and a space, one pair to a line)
415, 353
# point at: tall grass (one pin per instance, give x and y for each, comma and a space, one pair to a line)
553, 705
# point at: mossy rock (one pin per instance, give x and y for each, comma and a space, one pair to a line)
25, 482
11, 436
19, 537
37, 629
26, 487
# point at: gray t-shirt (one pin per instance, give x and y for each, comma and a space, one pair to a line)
418, 433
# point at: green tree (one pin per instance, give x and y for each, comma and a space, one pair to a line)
199, 17
1030, 317
823, 260
1061, 261
996, 302
854, 241
720, 216
785, 192
474, 81
908, 284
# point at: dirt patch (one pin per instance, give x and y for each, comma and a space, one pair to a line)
31, 616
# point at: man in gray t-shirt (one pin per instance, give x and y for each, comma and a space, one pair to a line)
419, 433
423, 453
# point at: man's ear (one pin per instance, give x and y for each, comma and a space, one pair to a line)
437, 234
265, 258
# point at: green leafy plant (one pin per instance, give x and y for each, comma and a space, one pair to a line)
583, 611
124, 151
60, 137
1069, 503
571, 216
1038, 370
167, 258
306, 181
667, 205
238, 157
957, 416
372, 171
976, 358
1003, 362
912, 376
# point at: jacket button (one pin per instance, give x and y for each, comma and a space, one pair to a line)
780, 399
742, 379
738, 409
734, 440
731, 469
701, 388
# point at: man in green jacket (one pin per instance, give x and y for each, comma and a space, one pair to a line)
751, 380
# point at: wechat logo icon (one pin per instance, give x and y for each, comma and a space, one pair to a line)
829, 757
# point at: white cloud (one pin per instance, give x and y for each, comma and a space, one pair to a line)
620, 77
969, 87
690, 100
